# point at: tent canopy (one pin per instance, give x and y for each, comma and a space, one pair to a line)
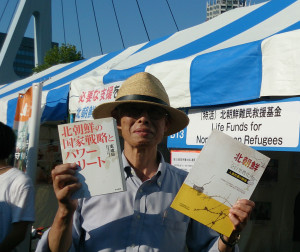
241, 55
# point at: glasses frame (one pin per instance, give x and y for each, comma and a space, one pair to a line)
136, 110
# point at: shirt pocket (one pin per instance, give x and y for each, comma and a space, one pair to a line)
174, 220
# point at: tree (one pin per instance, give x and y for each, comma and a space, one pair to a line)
57, 55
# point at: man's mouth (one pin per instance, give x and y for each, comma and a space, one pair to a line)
143, 131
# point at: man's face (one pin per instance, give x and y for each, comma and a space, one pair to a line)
142, 125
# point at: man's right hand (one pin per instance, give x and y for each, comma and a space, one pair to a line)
65, 184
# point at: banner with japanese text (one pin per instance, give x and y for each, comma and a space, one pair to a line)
184, 159
21, 124
91, 98
263, 126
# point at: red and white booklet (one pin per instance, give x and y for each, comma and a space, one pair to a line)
94, 146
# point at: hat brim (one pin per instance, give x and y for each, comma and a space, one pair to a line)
178, 119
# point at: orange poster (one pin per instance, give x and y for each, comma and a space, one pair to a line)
23, 110
22, 116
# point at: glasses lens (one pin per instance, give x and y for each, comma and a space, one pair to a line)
156, 113
136, 111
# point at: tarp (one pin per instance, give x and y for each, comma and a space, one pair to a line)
241, 55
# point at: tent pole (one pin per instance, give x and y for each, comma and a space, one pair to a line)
34, 130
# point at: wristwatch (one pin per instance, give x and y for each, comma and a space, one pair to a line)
230, 244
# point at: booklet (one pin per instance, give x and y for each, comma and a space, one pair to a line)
226, 170
94, 146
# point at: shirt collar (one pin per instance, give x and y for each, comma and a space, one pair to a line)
158, 177
161, 170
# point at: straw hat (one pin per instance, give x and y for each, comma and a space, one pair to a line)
147, 89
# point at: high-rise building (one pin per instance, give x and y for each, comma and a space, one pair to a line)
24, 61
216, 7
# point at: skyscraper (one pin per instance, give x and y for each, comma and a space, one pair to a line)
24, 60
217, 7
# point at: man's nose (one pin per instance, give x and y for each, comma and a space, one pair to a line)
145, 115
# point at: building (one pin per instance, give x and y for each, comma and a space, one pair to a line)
24, 61
216, 7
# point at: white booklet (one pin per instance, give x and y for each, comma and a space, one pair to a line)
226, 170
94, 146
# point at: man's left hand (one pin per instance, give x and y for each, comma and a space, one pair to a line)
240, 213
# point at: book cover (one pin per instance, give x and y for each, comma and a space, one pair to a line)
226, 170
94, 146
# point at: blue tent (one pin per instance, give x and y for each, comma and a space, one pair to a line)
224, 60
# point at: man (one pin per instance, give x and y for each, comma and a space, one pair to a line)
16, 196
139, 219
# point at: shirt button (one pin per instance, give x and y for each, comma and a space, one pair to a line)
133, 245
141, 190
138, 216
159, 183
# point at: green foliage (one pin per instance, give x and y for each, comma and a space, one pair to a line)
57, 55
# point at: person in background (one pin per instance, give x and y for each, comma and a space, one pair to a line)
16, 196
139, 219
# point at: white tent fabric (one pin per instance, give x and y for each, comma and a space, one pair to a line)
228, 59
281, 64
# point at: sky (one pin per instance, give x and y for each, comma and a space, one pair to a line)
156, 16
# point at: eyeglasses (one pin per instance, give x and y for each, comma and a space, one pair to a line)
136, 110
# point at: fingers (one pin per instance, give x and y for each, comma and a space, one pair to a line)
64, 169
240, 213
242, 208
62, 180
65, 183
64, 195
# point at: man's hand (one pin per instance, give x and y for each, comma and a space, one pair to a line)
65, 184
239, 215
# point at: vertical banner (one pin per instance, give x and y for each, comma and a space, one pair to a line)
21, 123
